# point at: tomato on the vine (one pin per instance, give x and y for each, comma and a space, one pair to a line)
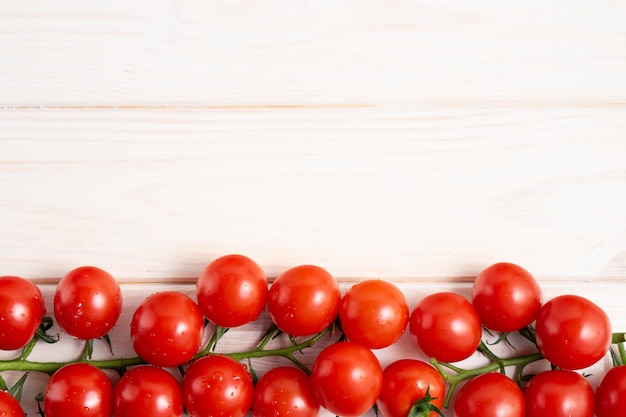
9, 406
559, 393
506, 297
446, 326
610, 397
347, 378
217, 385
491, 394
304, 300
374, 313
166, 329
22, 308
572, 332
284, 392
87, 302
406, 382
78, 389
232, 291
148, 391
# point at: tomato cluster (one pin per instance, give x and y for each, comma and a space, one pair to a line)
305, 303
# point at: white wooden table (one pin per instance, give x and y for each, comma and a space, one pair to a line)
414, 141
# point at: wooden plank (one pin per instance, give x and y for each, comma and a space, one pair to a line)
301, 53
397, 193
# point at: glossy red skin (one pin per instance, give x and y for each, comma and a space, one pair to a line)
304, 300
610, 397
506, 297
232, 291
347, 378
148, 391
284, 392
490, 395
572, 332
9, 406
374, 313
87, 302
22, 308
559, 393
405, 382
445, 326
166, 329
78, 389
217, 386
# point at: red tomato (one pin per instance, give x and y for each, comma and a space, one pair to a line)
148, 391
446, 326
347, 378
87, 302
506, 297
166, 329
9, 406
490, 395
304, 300
78, 389
374, 313
572, 332
405, 382
22, 309
610, 398
232, 291
284, 392
559, 393
217, 386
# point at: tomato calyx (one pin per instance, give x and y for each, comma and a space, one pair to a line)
424, 406
16, 390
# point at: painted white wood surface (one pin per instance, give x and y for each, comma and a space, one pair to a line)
416, 141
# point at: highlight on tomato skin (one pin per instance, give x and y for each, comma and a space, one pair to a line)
446, 327
506, 297
304, 300
217, 385
166, 329
347, 378
22, 309
232, 291
374, 313
148, 391
572, 332
87, 302
284, 391
407, 381
78, 389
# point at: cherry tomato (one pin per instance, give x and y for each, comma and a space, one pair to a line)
559, 393
22, 308
610, 398
304, 300
9, 406
573, 332
284, 392
506, 297
148, 391
78, 389
347, 378
446, 326
166, 329
217, 386
490, 395
405, 382
232, 291
374, 313
87, 302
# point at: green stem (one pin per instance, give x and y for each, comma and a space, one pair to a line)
464, 374
49, 368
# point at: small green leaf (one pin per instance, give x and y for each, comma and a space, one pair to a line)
107, 340
16, 389
42, 331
